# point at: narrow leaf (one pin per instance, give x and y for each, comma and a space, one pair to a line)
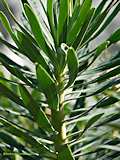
36, 146
62, 17
7, 26
109, 119
30, 50
6, 23
47, 85
72, 63
4, 91
107, 75
51, 18
115, 37
107, 102
108, 21
8, 139
37, 113
93, 27
15, 20
18, 73
75, 29
65, 153
8, 44
107, 65
93, 120
84, 29
101, 48
100, 8
74, 16
5, 59
36, 29
103, 87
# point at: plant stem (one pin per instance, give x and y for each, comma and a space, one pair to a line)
57, 121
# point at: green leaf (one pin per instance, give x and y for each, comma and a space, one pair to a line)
74, 16
65, 153
7, 26
15, 20
6, 23
8, 139
84, 28
101, 48
51, 18
107, 102
14, 113
8, 61
113, 117
36, 29
48, 86
106, 65
106, 76
99, 8
36, 146
102, 87
4, 91
93, 27
38, 34
30, 50
115, 37
61, 57
72, 63
93, 120
108, 21
37, 113
112, 142
44, 78
2, 41
18, 73
98, 51
76, 27
62, 17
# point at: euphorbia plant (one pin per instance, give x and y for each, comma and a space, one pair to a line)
53, 91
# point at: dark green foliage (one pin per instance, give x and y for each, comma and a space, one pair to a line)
44, 107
